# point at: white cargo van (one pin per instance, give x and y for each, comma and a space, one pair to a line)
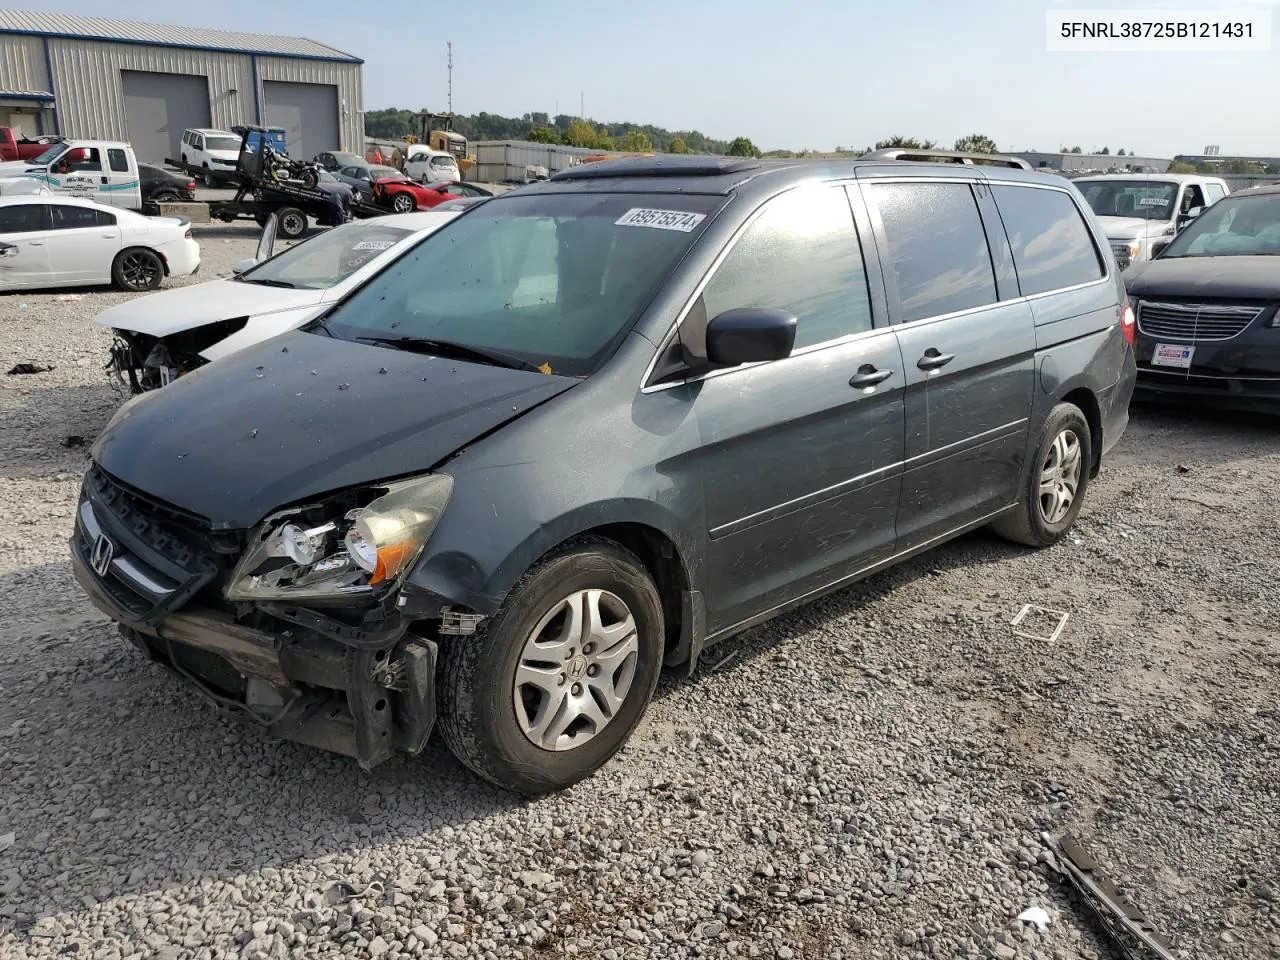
101, 170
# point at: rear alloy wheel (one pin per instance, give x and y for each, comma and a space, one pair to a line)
137, 270
1055, 486
403, 203
553, 685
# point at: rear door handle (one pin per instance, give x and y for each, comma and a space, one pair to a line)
869, 376
933, 360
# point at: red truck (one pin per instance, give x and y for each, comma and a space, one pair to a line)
12, 148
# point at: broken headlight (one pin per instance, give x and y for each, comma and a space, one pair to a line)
352, 555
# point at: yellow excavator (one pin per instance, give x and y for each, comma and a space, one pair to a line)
438, 134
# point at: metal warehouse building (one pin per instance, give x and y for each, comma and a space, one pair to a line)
146, 83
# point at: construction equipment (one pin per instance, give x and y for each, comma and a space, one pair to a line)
438, 134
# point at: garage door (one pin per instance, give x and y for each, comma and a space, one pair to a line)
307, 111
158, 107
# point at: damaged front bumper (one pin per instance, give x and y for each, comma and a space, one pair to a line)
365, 691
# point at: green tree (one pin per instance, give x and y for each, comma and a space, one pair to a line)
542, 135
1241, 166
976, 143
906, 143
635, 142
1178, 167
1104, 152
582, 134
1076, 150
742, 147
679, 146
1121, 153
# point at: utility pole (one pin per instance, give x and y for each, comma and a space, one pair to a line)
450, 45
582, 111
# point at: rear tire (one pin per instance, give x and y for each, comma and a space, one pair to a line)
137, 270
293, 222
1056, 484
583, 691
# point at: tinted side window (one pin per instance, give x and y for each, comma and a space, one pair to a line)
105, 219
801, 254
67, 217
24, 218
119, 162
937, 246
1052, 247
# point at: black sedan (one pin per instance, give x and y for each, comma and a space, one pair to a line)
335, 160
360, 178
162, 186
1208, 328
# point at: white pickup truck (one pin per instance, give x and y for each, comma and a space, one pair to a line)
1141, 212
101, 170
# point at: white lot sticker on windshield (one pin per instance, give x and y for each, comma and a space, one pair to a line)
374, 245
1152, 202
660, 219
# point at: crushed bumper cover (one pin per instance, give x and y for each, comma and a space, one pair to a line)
295, 672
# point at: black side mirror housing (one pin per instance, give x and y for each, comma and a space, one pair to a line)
750, 335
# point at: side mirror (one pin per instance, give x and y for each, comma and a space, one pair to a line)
246, 264
750, 335
7, 249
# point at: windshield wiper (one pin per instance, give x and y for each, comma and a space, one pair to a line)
461, 351
264, 282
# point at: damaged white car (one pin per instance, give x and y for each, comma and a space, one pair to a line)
161, 337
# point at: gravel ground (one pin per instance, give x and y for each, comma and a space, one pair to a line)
867, 777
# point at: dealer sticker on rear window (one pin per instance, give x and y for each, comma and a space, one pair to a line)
374, 245
660, 219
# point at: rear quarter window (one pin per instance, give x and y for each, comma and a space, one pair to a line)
1052, 245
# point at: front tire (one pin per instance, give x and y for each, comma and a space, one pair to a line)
403, 203
1055, 486
550, 688
137, 270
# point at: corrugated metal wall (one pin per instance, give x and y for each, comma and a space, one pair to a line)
498, 160
22, 65
90, 99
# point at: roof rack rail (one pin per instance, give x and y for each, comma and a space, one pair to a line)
947, 156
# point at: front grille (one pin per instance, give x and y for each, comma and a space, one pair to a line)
1121, 251
149, 560
1195, 321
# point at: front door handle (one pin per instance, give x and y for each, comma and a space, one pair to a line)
933, 360
869, 376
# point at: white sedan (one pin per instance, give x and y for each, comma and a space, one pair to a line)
162, 337
47, 240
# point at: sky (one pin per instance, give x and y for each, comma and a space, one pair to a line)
805, 74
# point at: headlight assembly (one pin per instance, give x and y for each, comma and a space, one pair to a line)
351, 555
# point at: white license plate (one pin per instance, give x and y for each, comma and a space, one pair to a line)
1172, 355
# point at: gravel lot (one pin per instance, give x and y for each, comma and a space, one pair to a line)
867, 777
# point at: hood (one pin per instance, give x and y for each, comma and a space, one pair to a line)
185, 308
303, 415
13, 168
1129, 228
1244, 278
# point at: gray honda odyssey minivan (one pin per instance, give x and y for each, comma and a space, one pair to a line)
587, 429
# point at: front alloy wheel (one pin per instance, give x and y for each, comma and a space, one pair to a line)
551, 687
403, 203
576, 670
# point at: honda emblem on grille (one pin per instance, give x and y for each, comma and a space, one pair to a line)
100, 559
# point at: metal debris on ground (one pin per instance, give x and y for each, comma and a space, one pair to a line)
1041, 615
379, 889
73, 440
28, 368
1128, 926
1037, 916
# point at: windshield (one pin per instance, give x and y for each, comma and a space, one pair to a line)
556, 279
1232, 227
327, 258
385, 173
50, 155
222, 143
1146, 199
